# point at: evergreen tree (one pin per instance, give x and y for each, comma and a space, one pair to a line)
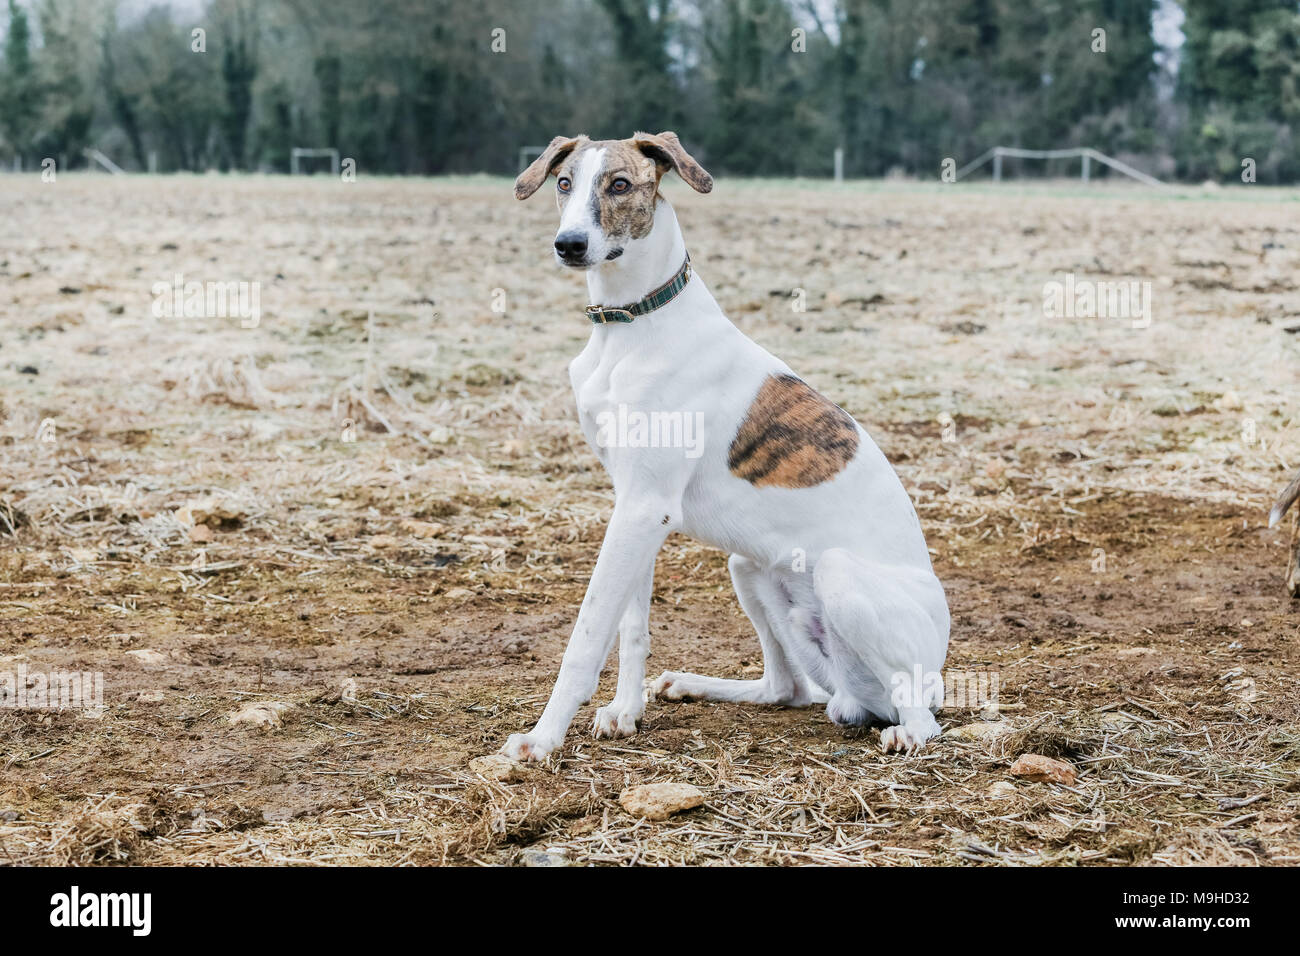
19, 85
67, 97
1240, 83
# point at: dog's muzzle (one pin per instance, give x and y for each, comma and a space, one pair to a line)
571, 247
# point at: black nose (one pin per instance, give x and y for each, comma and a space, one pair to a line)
572, 246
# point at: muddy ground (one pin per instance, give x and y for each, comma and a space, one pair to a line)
374, 514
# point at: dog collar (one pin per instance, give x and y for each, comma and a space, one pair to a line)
660, 297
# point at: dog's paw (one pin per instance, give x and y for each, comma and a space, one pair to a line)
525, 747
905, 738
613, 721
670, 685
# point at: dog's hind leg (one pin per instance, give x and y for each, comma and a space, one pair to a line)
782, 681
885, 638
620, 717
1293, 568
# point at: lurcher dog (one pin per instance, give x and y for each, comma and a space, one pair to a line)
827, 555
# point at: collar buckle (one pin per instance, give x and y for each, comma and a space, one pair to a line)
602, 315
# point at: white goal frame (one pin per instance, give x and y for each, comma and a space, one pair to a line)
1086, 154
96, 156
525, 152
298, 152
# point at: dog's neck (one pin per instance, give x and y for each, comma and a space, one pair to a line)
645, 265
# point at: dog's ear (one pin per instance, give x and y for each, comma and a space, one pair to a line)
531, 179
666, 150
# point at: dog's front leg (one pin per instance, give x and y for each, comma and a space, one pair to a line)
633, 538
620, 717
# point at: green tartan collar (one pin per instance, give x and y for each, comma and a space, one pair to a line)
660, 297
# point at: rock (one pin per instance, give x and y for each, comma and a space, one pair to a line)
210, 510
261, 713
994, 468
495, 767
659, 801
84, 555
1001, 789
382, 541
147, 655
542, 858
422, 529
150, 697
1229, 402
1042, 769
201, 534
980, 730
459, 594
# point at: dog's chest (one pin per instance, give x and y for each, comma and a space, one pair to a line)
613, 384
593, 393
594, 398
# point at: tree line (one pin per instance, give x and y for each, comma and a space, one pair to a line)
754, 87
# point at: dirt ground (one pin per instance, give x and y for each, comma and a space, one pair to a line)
374, 514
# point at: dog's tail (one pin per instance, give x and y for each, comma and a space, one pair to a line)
1287, 499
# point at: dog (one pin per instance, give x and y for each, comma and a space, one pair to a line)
1279, 510
828, 558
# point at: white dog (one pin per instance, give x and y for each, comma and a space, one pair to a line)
827, 554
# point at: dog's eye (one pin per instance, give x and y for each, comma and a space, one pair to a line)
620, 186
564, 185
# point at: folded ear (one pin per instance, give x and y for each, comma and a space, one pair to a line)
531, 179
666, 150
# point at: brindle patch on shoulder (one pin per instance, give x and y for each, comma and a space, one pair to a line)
792, 437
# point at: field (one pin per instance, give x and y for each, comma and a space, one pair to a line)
363, 524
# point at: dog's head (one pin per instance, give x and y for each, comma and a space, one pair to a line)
607, 190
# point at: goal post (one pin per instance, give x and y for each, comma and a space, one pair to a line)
526, 153
96, 156
299, 153
1084, 154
